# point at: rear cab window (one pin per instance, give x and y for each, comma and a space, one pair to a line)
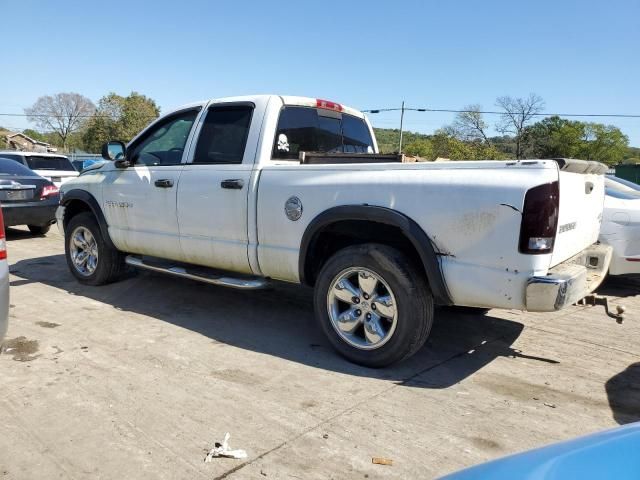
308, 129
35, 162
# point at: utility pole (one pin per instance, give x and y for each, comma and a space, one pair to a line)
401, 120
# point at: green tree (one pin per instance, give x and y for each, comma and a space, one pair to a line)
604, 143
119, 118
446, 145
555, 137
41, 137
420, 148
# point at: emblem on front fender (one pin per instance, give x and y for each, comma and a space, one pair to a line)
111, 203
293, 208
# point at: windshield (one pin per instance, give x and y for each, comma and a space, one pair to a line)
305, 129
15, 169
622, 182
624, 191
49, 163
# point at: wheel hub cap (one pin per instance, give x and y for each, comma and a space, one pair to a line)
83, 250
362, 308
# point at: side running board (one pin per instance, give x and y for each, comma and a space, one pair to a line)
199, 274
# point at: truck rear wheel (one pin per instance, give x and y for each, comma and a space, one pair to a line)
90, 259
373, 305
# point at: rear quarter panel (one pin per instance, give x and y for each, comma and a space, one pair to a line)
470, 210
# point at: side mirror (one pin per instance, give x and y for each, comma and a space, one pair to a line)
114, 151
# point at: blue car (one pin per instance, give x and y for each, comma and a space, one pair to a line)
612, 454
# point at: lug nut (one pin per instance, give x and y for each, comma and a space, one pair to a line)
355, 300
366, 296
358, 313
368, 316
373, 306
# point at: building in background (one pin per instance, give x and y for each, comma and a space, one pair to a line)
24, 143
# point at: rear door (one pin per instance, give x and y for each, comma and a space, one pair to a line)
215, 187
139, 202
581, 205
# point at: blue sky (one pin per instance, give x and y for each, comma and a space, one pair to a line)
580, 56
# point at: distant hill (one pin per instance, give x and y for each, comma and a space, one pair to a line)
389, 140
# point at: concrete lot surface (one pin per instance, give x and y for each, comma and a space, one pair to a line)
140, 378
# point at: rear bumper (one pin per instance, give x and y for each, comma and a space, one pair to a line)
43, 213
569, 281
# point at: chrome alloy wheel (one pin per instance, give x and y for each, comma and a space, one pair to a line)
84, 251
362, 308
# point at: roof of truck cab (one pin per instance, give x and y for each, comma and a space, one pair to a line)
31, 154
285, 99
313, 102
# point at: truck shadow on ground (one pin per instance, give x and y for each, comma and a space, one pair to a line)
280, 322
620, 286
623, 392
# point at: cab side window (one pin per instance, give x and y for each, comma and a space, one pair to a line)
164, 143
223, 136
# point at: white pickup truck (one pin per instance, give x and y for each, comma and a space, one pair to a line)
239, 191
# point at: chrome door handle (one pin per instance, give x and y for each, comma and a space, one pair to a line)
164, 183
232, 183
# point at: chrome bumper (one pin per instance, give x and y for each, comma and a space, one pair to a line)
569, 281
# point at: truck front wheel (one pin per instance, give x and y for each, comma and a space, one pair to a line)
373, 305
90, 259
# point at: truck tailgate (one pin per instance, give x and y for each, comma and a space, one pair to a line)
581, 205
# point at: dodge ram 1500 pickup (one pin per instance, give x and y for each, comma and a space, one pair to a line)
240, 191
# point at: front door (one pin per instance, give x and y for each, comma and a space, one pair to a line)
214, 189
140, 201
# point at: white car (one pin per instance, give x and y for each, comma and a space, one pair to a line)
238, 191
51, 166
621, 225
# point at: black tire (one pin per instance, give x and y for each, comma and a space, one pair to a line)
39, 229
413, 299
110, 264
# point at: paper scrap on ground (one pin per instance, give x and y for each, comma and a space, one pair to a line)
223, 450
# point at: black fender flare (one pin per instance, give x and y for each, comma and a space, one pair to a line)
94, 206
418, 238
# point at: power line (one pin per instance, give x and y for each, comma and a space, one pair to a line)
380, 110
495, 112
62, 116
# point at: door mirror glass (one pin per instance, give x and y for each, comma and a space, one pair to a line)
114, 150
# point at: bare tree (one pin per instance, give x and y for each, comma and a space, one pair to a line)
62, 113
518, 113
470, 125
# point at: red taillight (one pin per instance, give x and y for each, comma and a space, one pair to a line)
49, 190
540, 219
326, 104
3, 242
